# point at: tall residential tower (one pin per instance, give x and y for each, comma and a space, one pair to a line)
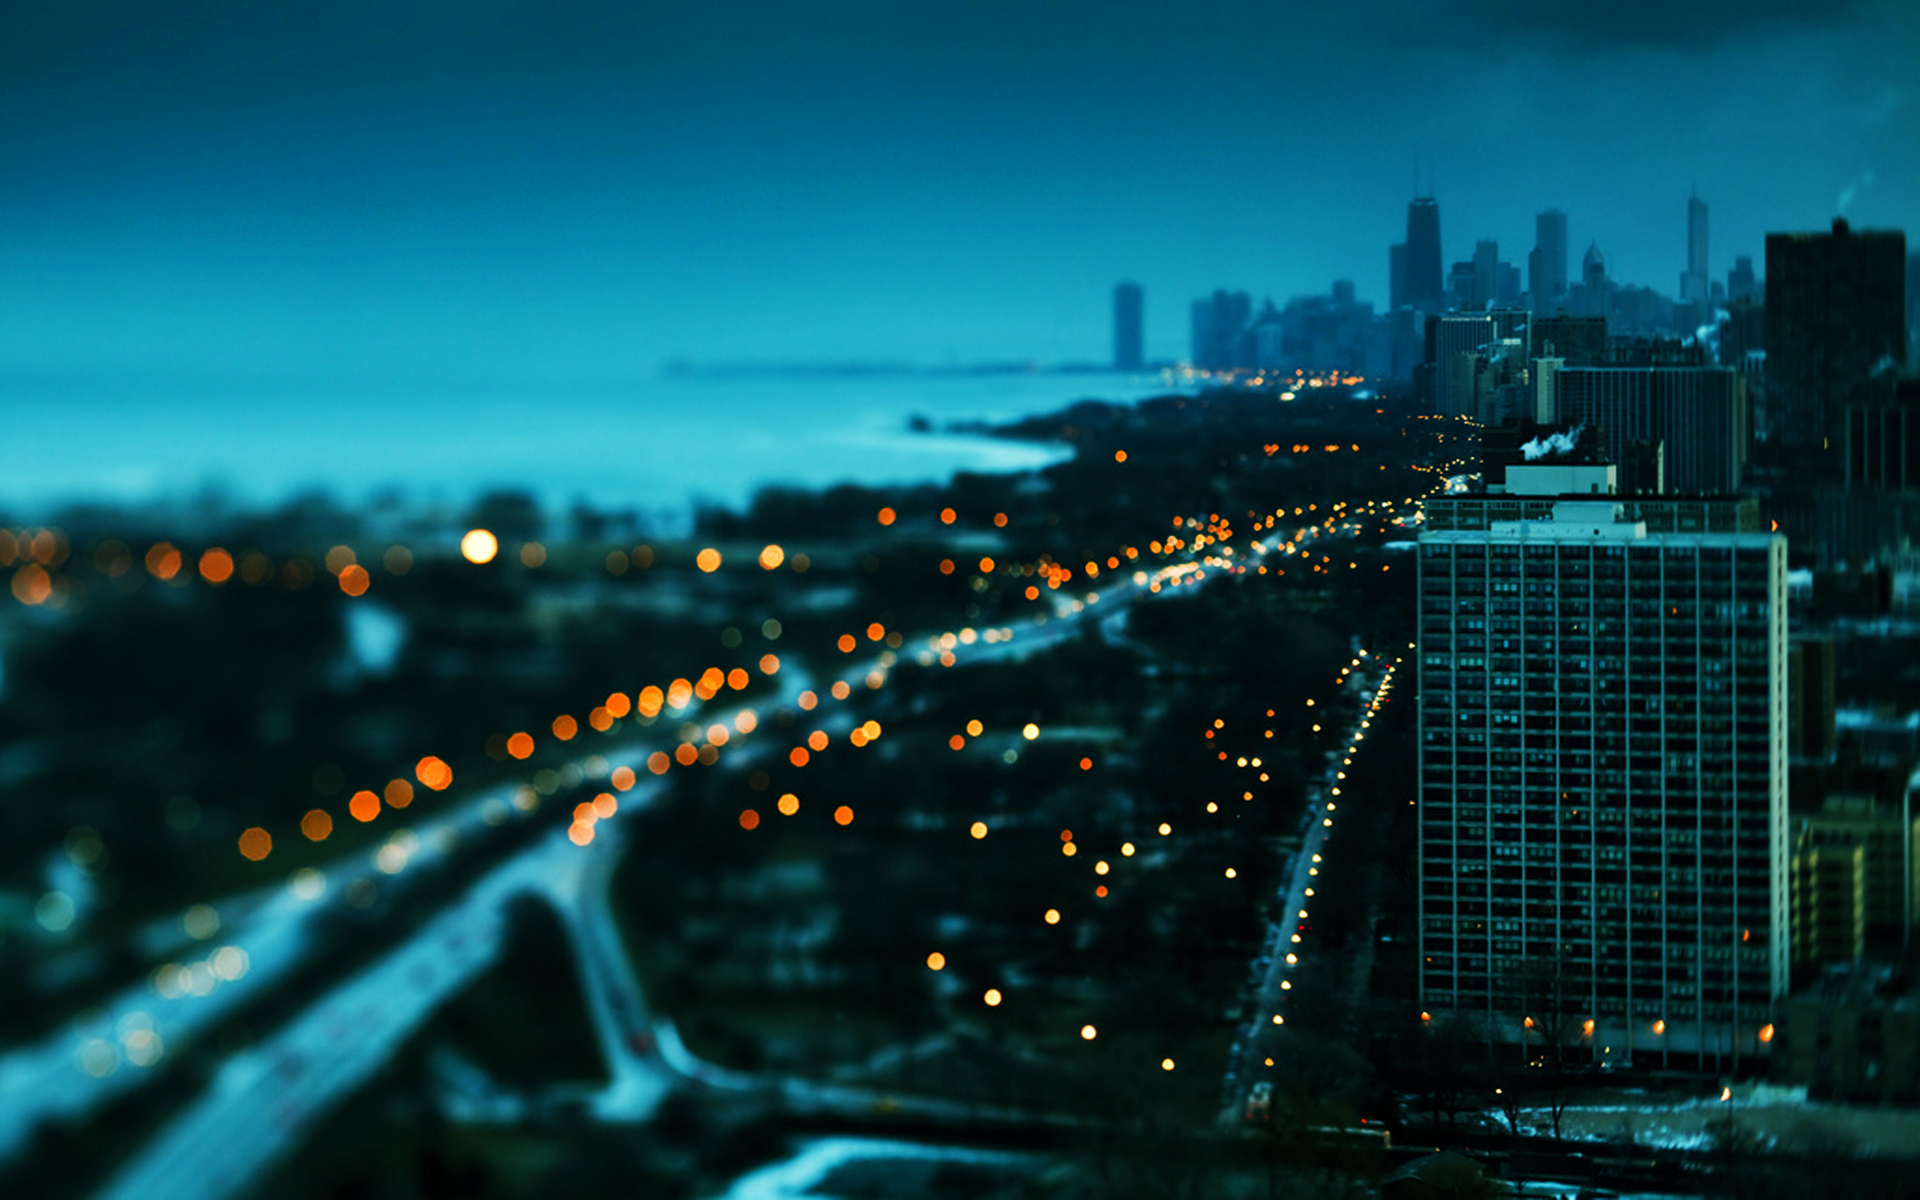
1603, 786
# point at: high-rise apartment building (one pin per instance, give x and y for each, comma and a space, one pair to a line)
1547, 265
1836, 309
1698, 414
1129, 327
1424, 284
1603, 825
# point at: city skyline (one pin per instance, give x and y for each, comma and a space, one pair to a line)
509, 193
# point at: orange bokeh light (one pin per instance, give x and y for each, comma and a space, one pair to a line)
354, 580
434, 773
255, 844
622, 778
398, 793
216, 566
316, 825
843, 815
32, 584
163, 561
749, 819
520, 745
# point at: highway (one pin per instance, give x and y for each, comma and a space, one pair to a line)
1288, 939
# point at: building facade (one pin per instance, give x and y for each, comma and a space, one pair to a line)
1699, 414
1603, 780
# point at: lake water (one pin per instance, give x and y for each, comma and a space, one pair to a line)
655, 446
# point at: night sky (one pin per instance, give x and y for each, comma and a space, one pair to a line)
502, 189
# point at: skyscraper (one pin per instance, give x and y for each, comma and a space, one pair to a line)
1547, 273
1836, 309
1693, 281
1425, 285
1396, 276
1602, 777
1128, 327
1486, 273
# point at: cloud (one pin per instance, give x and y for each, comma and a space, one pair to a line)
1852, 191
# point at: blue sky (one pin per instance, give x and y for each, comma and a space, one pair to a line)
496, 189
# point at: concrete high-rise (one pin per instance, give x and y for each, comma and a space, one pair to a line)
1129, 327
1603, 807
1423, 280
1836, 310
1547, 265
